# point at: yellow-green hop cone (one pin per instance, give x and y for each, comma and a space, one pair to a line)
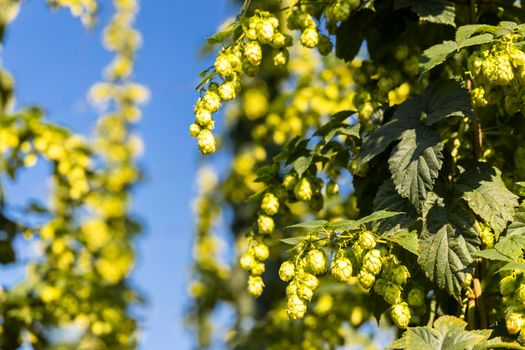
400, 274
281, 40
289, 181
227, 91
416, 297
223, 66
401, 315
203, 117
379, 286
286, 271
309, 280
366, 240
211, 101
305, 20
517, 57
247, 261
281, 58
338, 11
392, 293
253, 53
514, 322
310, 38
296, 307
305, 293
270, 204
291, 289
258, 268
366, 279
261, 251
507, 285
265, 224
255, 285
206, 142
325, 45
317, 261
478, 97
265, 32
249, 69
194, 130
372, 261
341, 269
303, 190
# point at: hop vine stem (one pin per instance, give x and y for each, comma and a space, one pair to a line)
478, 145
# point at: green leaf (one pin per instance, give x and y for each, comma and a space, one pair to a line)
437, 54
513, 266
388, 199
407, 240
448, 333
351, 33
446, 246
309, 224
513, 243
433, 11
376, 216
415, 163
484, 191
444, 99
220, 37
476, 40
379, 140
302, 164
492, 254
465, 32
337, 126
293, 240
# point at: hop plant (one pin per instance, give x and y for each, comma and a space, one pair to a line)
310, 37
400, 274
289, 181
265, 31
265, 224
416, 297
303, 190
247, 261
261, 251
366, 279
324, 45
372, 261
296, 307
270, 204
514, 322
227, 91
401, 315
317, 261
211, 101
341, 269
507, 285
206, 142
281, 58
194, 130
253, 53
366, 240
286, 271
258, 268
392, 293
255, 285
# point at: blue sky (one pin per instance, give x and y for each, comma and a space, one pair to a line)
55, 61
